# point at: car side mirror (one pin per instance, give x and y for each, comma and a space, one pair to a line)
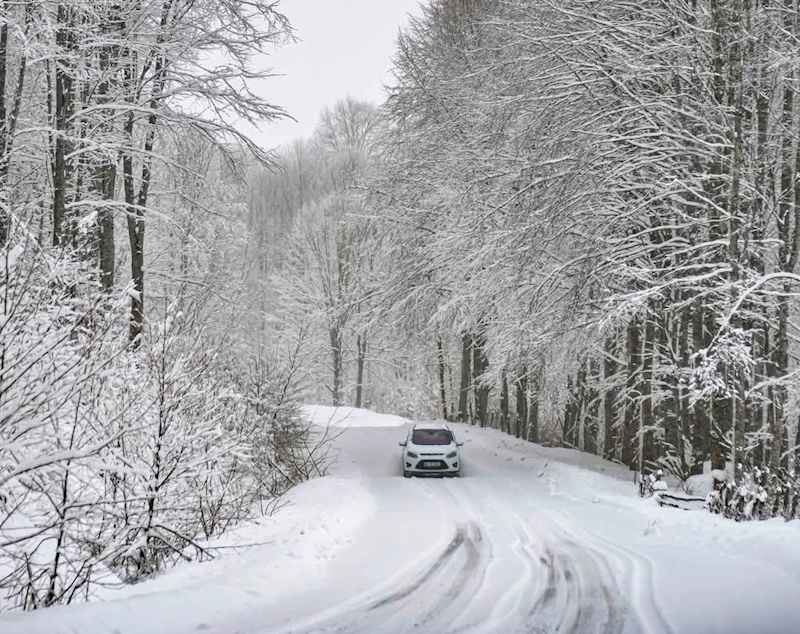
460, 443
402, 443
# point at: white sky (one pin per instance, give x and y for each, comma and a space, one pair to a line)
344, 47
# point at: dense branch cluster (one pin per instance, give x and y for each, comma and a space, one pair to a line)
597, 213
129, 431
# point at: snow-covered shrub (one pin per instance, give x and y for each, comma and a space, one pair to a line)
203, 453
743, 500
651, 483
677, 468
117, 461
57, 341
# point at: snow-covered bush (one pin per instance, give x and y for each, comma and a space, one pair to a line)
117, 461
57, 341
743, 500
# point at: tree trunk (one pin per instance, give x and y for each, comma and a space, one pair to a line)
591, 439
361, 346
5, 220
569, 433
336, 364
466, 375
788, 225
532, 433
609, 398
442, 390
479, 365
136, 204
522, 404
505, 426
701, 429
105, 177
64, 108
105, 230
684, 422
8, 119
647, 419
631, 393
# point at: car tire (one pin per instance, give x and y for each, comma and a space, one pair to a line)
457, 474
406, 474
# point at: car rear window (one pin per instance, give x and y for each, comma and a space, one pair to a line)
431, 437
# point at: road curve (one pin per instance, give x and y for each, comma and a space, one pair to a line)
498, 556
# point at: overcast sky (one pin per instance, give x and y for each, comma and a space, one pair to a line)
345, 47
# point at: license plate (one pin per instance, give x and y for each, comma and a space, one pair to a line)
430, 463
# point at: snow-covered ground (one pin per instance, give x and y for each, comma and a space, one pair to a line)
327, 416
530, 539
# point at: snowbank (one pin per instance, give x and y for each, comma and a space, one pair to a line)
328, 416
597, 484
259, 564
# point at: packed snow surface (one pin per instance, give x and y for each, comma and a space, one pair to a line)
328, 416
529, 539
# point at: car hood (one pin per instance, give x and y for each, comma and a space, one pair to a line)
432, 448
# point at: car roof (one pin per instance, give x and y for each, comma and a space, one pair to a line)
431, 426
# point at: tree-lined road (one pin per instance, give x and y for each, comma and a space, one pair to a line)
483, 553
524, 542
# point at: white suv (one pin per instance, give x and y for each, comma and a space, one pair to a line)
431, 448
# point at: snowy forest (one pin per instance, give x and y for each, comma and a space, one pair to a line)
575, 221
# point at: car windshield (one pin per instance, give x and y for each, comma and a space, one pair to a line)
431, 437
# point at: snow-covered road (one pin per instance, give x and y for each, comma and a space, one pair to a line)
482, 553
529, 539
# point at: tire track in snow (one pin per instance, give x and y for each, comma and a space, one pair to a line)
428, 599
638, 569
578, 591
467, 583
460, 539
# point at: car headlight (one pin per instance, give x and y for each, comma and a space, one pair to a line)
411, 454
452, 454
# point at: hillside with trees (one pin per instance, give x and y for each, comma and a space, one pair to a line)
596, 212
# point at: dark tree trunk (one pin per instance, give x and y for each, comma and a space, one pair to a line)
681, 393
569, 434
632, 394
481, 389
780, 359
442, 390
105, 228
466, 374
136, 241
337, 364
522, 404
532, 433
105, 177
64, 108
504, 403
137, 203
788, 226
361, 346
609, 398
701, 427
592, 426
8, 119
647, 420
4, 134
